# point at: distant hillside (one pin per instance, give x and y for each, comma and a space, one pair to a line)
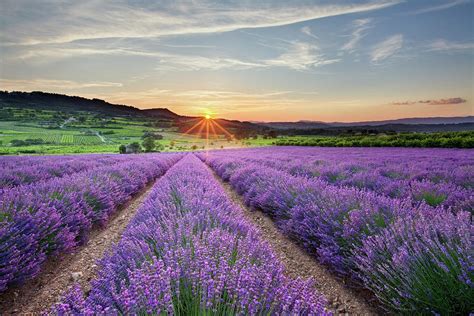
64, 103
296, 125
387, 128
161, 113
412, 121
398, 123
219, 126
72, 104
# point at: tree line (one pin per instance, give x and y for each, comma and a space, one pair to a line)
442, 139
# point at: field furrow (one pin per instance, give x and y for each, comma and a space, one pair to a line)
401, 248
61, 272
299, 264
190, 251
53, 217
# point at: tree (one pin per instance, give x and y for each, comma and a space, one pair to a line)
272, 134
134, 148
122, 149
149, 144
152, 135
159, 147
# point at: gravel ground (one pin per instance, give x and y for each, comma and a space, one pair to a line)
60, 273
343, 298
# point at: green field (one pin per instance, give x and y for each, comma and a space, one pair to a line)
85, 133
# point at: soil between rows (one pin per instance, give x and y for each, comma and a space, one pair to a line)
61, 272
343, 300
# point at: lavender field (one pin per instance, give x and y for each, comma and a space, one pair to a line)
393, 223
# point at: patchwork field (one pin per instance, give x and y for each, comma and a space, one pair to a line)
394, 224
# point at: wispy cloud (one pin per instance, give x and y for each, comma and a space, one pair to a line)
90, 19
457, 100
190, 63
307, 30
48, 84
301, 56
386, 48
439, 7
295, 55
359, 32
447, 46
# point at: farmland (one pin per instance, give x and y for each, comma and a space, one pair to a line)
393, 223
31, 131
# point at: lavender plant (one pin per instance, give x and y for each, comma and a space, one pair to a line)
53, 216
397, 220
189, 251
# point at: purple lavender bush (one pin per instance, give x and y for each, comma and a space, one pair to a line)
189, 251
422, 265
403, 230
396, 173
49, 217
33, 169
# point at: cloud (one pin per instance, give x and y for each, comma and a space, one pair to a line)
386, 48
443, 6
190, 63
307, 30
296, 56
216, 101
404, 103
442, 45
359, 32
444, 101
40, 84
300, 56
456, 100
92, 19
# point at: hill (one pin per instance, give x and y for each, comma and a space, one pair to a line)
38, 100
397, 124
59, 102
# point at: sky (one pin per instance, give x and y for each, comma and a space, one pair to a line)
328, 60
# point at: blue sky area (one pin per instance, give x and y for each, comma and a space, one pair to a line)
248, 60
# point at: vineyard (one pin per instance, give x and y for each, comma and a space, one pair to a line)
392, 223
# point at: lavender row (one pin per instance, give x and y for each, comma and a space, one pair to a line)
416, 259
34, 169
436, 165
384, 181
47, 218
189, 251
387, 178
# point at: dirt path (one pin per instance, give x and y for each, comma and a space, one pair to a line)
343, 300
58, 274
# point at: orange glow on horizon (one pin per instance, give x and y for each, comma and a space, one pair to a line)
208, 126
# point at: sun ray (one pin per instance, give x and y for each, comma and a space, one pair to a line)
213, 129
199, 133
224, 130
207, 134
193, 127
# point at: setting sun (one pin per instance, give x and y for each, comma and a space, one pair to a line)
208, 116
